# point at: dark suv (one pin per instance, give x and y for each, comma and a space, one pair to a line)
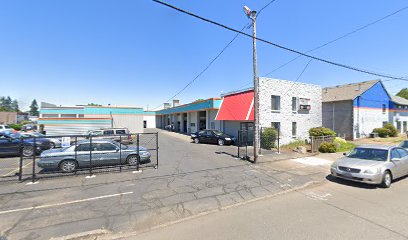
10, 144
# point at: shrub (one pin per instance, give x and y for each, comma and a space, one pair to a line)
342, 145
268, 137
16, 127
321, 131
382, 132
327, 147
392, 130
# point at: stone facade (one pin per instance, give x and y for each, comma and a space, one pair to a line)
286, 115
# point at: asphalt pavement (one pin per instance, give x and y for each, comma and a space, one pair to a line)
335, 210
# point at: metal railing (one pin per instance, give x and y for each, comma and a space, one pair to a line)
51, 156
316, 141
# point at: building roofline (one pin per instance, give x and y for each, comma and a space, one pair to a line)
191, 103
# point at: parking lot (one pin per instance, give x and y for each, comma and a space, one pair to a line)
191, 179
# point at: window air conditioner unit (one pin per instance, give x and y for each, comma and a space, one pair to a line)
304, 104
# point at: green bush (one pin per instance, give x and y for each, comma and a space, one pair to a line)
327, 147
392, 130
382, 132
16, 126
342, 145
268, 137
321, 131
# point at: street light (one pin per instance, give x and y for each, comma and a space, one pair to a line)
252, 15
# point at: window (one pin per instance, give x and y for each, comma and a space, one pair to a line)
121, 131
294, 129
68, 115
275, 125
84, 147
192, 124
50, 115
275, 101
294, 104
402, 152
384, 123
81, 115
108, 132
384, 109
395, 154
104, 147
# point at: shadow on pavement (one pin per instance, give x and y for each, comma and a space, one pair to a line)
350, 183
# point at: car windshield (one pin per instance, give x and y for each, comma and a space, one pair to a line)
216, 132
369, 154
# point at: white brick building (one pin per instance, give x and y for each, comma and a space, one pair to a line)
292, 107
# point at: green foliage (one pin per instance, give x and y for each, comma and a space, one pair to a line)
392, 130
403, 93
16, 126
382, 132
321, 131
327, 147
268, 137
34, 108
94, 104
8, 105
342, 145
294, 144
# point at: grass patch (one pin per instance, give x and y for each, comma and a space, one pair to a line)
294, 144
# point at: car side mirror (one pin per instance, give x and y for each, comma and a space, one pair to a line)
117, 149
344, 154
396, 159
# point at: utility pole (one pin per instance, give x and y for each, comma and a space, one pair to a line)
252, 15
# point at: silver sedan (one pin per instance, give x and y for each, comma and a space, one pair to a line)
96, 153
372, 164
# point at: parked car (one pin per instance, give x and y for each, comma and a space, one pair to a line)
55, 142
10, 144
212, 136
104, 152
5, 128
372, 164
404, 144
29, 127
116, 134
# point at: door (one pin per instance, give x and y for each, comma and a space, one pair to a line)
202, 136
404, 159
398, 165
105, 154
83, 154
144, 124
8, 146
211, 138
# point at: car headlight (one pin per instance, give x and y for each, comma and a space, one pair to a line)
228, 139
193, 135
372, 171
334, 165
144, 154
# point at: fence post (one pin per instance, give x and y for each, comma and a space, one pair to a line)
20, 169
34, 155
76, 145
238, 143
278, 139
260, 140
90, 155
157, 150
120, 153
138, 151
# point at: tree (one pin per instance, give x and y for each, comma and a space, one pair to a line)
6, 103
403, 93
14, 106
34, 108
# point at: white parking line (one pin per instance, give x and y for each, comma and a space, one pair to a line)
17, 169
63, 203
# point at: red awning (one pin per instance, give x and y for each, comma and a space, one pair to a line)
237, 107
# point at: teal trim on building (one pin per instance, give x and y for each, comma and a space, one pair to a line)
76, 121
150, 113
197, 106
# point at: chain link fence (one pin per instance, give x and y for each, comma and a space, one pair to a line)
52, 156
269, 142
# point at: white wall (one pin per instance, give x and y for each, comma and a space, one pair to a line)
150, 120
365, 120
286, 90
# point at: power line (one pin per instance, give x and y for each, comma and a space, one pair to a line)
282, 47
216, 57
340, 37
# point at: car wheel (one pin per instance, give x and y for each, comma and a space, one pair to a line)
68, 166
386, 180
28, 151
133, 159
220, 142
196, 140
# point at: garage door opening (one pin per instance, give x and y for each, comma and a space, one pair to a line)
202, 120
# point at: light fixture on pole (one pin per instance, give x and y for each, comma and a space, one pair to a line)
252, 15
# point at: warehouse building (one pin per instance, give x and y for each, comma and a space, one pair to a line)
81, 119
191, 117
354, 110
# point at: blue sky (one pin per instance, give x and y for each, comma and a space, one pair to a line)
136, 53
